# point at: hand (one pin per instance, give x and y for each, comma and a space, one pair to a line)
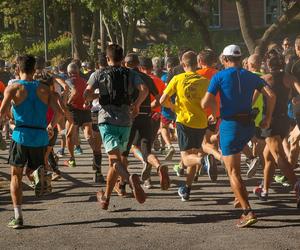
212, 119
265, 123
50, 131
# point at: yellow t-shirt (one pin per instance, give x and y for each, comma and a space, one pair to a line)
189, 88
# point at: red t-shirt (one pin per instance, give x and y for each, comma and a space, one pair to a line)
208, 73
160, 85
80, 85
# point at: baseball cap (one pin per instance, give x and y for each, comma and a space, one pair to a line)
232, 50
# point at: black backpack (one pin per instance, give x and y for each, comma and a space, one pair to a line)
116, 81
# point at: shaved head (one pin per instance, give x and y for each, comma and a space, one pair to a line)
254, 62
190, 59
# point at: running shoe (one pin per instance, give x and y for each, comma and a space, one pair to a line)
146, 171
184, 193
297, 190
103, 201
212, 169
137, 190
70, 163
78, 151
15, 223
61, 152
56, 175
179, 170
170, 153
120, 189
281, 179
258, 191
98, 177
164, 177
39, 181
247, 220
252, 167
148, 184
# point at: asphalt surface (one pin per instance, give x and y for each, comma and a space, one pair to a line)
70, 217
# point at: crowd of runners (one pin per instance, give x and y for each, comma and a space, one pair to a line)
215, 108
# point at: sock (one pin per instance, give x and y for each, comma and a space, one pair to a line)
18, 212
246, 211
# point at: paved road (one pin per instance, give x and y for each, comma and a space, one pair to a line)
70, 218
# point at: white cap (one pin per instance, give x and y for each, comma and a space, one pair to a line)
232, 50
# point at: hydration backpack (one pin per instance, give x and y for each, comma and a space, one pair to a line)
116, 81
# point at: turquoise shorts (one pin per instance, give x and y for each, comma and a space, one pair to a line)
114, 137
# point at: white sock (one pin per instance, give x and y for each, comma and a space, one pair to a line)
18, 212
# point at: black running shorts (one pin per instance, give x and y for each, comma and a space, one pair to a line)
189, 138
20, 155
81, 117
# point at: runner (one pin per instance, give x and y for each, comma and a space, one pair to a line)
206, 59
191, 121
282, 84
236, 87
81, 115
115, 119
141, 136
30, 136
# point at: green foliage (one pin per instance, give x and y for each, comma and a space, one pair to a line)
11, 44
158, 50
60, 46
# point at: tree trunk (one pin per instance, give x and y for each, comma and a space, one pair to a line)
103, 34
246, 24
109, 33
292, 12
94, 35
198, 20
79, 50
131, 34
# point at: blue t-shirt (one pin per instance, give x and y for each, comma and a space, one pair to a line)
236, 87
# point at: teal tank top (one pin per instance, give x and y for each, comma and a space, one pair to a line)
30, 118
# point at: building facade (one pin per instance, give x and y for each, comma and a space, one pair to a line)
223, 13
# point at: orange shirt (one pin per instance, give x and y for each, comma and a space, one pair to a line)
160, 85
209, 73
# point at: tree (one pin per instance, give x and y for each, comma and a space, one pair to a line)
259, 46
193, 10
76, 29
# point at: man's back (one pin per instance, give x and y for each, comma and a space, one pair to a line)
236, 87
189, 88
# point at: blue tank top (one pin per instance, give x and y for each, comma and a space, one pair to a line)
30, 118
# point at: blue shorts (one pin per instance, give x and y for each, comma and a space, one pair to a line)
114, 137
234, 136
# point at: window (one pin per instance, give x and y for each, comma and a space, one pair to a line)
272, 11
215, 14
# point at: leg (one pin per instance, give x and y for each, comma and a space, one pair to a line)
232, 164
71, 129
275, 146
269, 169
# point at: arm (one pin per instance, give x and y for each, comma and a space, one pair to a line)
209, 101
143, 93
58, 112
9, 93
155, 103
255, 96
89, 94
165, 101
271, 101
